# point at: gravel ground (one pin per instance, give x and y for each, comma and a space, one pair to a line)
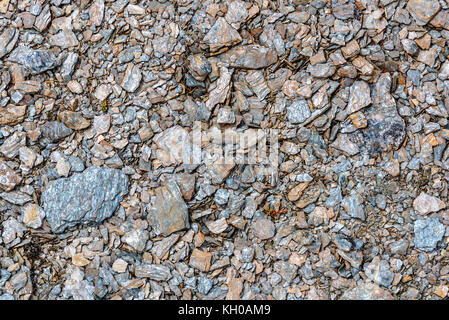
101, 99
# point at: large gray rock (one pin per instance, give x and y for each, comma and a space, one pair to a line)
428, 232
34, 61
87, 197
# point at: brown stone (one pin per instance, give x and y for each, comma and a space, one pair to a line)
200, 260
73, 120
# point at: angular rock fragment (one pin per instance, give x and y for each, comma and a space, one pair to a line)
249, 57
298, 112
8, 40
221, 35
386, 129
360, 96
73, 120
354, 207
33, 216
264, 229
200, 260
428, 232
168, 211
155, 272
221, 91
132, 78
96, 12
367, 291
12, 114
87, 197
321, 70
8, 178
34, 61
423, 10
43, 19
379, 271
52, 131
425, 204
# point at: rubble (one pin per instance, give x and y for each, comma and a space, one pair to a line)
210, 149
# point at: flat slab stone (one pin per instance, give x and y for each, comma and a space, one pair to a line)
168, 211
87, 197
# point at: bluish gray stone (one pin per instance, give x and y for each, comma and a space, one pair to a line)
298, 112
428, 232
87, 197
221, 196
204, 285
34, 61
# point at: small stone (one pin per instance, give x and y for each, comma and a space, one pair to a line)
204, 285
33, 216
79, 260
96, 12
425, 204
354, 207
168, 212
199, 66
53, 131
359, 97
68, 65
64, 38
236, 14
359, 120
73, 120
200, 260
344, 11
296, 192
102, 124
343, 143
321, 70
8, 177
8, 40
249, 57
351, 49
217, 226
379, 271
161, 248
442, 291
298, 112
12, 115
137, 239
43, 19
131, 79
264, 229
63, 167
221, 35
119, 265
155, 272
102, 92
75, 87
367, 291
221, 196
225, 116
135, 9
428, 232
221, 91
428, 56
